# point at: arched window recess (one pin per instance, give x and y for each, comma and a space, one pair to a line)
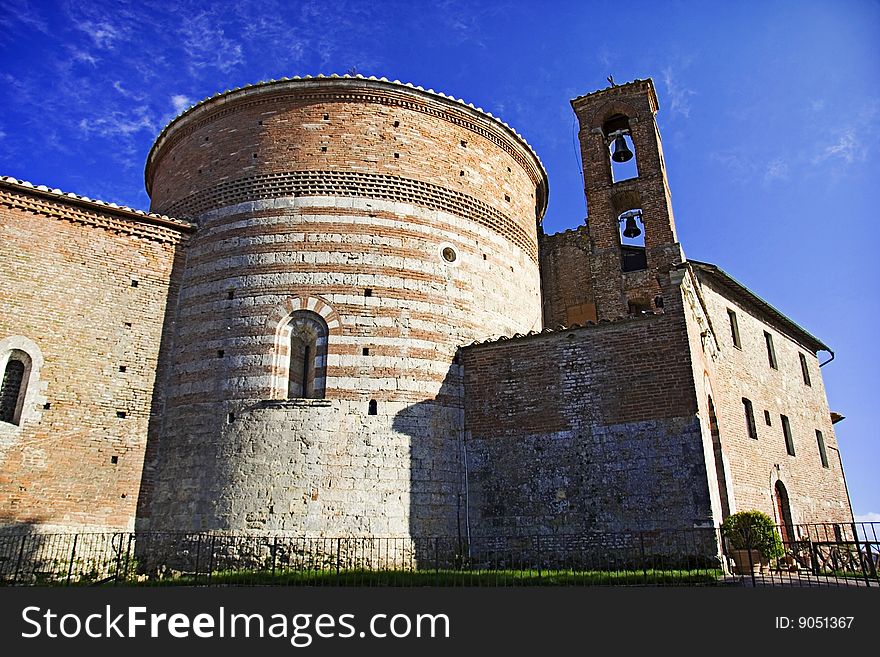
14, 386
305, 336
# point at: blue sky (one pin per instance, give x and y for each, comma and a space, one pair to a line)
770, 114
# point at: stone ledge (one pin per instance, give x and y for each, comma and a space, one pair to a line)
294, 403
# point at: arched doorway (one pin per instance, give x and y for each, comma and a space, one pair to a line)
783, 513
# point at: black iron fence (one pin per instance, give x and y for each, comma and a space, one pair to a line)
815, 555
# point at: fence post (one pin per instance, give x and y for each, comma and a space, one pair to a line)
814, 557
211, 560
128, 555
644, 563
752, 566
338, 540
20, 557
274, 552
72, 556
118, 549
198, 555
538, 550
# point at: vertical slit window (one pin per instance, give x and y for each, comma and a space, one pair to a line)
805, 371
820, 440
12, 389
734, 329
786, 432
750, 418
771, 352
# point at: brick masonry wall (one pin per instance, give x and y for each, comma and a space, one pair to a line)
305, 243
566, 278
67, 272
586, 429
816, 494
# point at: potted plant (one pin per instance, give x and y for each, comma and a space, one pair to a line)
753, 540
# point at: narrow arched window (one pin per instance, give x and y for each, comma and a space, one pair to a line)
14, 386
306, 333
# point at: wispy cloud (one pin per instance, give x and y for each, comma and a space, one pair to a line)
83, 56
846, 148
126, 92
871, 516
739, 166
21, 12
776, 170
678, 94
103, 34
120, 123
207, 46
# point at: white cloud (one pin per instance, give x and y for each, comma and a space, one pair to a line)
206, 44
82, 56
846, 148
23, 12
181, 102
118, 124
871, 516
678, 95
102, 33
126, 93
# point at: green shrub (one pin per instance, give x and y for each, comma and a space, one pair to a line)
753, 530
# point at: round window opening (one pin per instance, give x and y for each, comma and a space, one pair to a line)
449, 254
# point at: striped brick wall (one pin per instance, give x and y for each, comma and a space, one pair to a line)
358, 236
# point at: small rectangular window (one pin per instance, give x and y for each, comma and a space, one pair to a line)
805, 370
750, 418
771, 352
734, 329
767, 419
786, 431
820, 439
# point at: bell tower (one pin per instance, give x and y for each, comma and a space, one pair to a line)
629, 208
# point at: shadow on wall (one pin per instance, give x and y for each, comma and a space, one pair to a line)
31, 556
157, 403
437, 517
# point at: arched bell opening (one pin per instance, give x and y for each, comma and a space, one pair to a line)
621, 148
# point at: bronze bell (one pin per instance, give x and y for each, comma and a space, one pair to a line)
631, 230
621, 150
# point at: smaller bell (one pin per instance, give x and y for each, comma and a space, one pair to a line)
631, 230
621, 150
